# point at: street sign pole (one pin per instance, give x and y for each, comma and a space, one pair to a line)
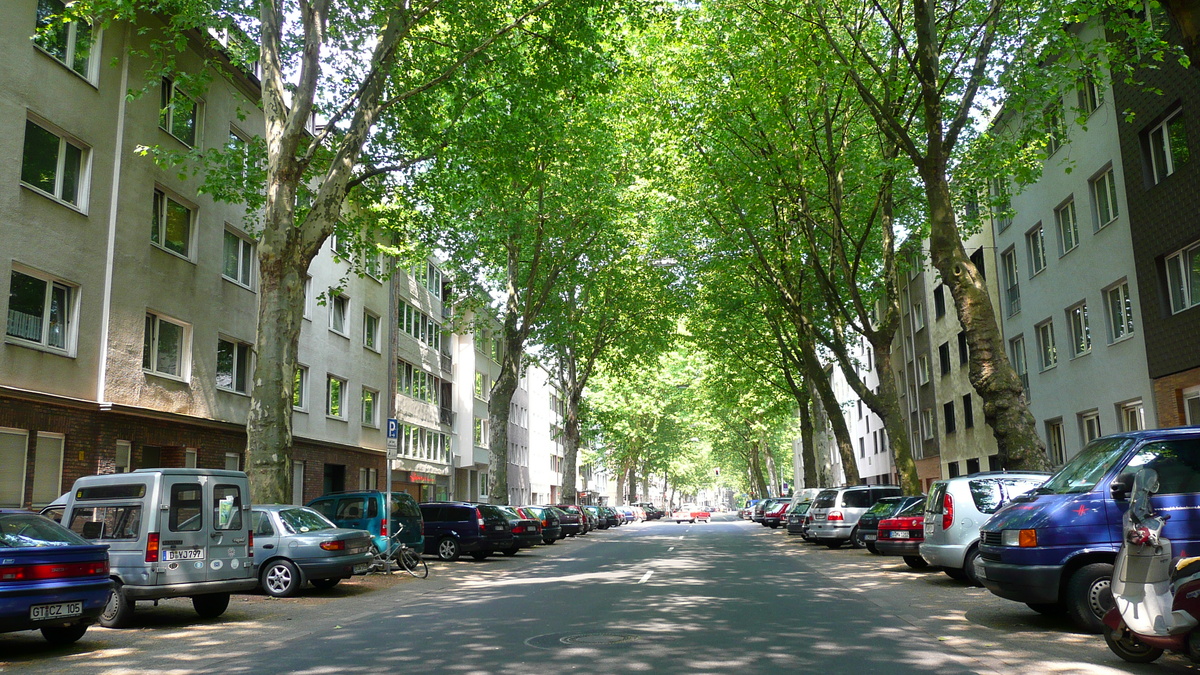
393, 436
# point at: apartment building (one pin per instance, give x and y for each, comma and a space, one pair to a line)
912, 353
545, 437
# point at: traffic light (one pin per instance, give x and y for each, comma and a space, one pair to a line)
718, 470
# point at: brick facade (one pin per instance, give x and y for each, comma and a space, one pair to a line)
1168, 396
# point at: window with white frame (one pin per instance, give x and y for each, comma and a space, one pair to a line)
1118, 307
233, 365
1035, 242
923, 369
298, 482
1056, 129
370, 330
179, 114
1047, 350
1183, 278
335, 397
308, 297
1089, 93
926, 424
54, 165
1090, 424
481, 432
1104, 198
1133, 416
191, 458
233, 461
1068, 227
41, 311
1012, 289
339, 307
1056, 442
237, 261
370, 407
300, 388
1191, 405
124, 457
918, 316
69, 42
171, 226
1168, 146
1081, 332
165, 346
14, 453
482, 386
1001, 203
373, 263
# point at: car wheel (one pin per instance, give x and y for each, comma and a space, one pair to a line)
548, 540
955, 573
834, 543
480, 555
871, 547
916, 562
211, 605
968, 569
510, 552
325, 583
118, 610
1046, 608
855, 540
1089, 596
64, 635
447, 549
280, 579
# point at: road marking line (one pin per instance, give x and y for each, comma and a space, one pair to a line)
670, 549
645, 576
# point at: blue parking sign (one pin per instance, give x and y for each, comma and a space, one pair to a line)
393, 428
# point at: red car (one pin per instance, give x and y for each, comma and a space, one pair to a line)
691, 513
774, 515
903, 533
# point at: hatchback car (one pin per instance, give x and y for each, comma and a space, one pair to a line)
958, 506
869, 522
296, 544
52, 579
773, 514
527, 532
552, 529
835, 511
586, 522
572, 523
902, 533
796, 515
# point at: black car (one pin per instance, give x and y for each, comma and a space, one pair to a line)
869, 523
552, 529
454, 528
571, 520
527, 532
795, 517
611, 516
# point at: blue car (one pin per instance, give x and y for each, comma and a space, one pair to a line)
51, 579
1053, 548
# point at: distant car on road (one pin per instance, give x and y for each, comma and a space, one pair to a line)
296, 544
691, 513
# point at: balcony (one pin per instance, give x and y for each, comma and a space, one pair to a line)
446, 416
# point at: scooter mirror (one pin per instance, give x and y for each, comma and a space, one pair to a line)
1121, 485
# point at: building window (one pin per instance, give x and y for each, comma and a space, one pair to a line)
481, 432
939, 301
977, 259
1056, 129
41, 311
339, 306
191, 458
370, 331
1119, 309
923, 369
300, 389
335, 402
1191, 406
124, 454
968, 412
1001, 203
949, 416
1081, 332
1016, 348
1104, 197
952, 470
370, 400
171, 228
1133, 416
482, 388
1089, 94
1035, 242
308, 297
1183, 278
926, 424
53, 165
972, 465
1068, 227
944, 358
233, 461
1047, 350
918, 316
1168, 147
238, 259
178, 113
1090, 422
862, 448
373, 263
164, 346
1012, 291
1055, 442
70, 42
233, 366
964, 352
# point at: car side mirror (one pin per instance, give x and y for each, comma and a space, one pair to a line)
1121, 486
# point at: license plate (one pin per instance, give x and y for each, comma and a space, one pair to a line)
869, 537
900, 534
61, 610
498, 527
183, 554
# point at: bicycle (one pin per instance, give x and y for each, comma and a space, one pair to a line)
398, 552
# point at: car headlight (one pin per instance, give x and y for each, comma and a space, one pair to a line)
1019, 538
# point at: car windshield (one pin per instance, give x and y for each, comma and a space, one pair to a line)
1087, 468
404, 508
799, 508
18, 530
300, 520
882, 507
916, 508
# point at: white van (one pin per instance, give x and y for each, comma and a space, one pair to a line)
171, 533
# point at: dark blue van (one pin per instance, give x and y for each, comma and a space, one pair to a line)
1053, 548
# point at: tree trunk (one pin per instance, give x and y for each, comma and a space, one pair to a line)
756, 474
894, 422
808, 450
571, 398
772, 473
833, 411
622, 476
631, 483
498, 410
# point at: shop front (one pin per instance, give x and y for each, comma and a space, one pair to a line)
424, 481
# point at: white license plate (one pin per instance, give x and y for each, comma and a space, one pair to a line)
900, 534
183, 554
869, 537
61, 610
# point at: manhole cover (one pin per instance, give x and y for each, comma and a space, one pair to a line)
597, 639
555, 641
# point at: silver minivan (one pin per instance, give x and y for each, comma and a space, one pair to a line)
835, 511
171, 533
955, 509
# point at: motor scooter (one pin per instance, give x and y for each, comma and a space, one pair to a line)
1156, 600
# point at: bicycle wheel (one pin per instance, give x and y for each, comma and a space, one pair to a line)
413, 563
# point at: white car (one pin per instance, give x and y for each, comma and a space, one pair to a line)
691, 513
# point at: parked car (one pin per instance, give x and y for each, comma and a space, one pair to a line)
552, 529
957, 507
570, 520
747, 511
1053, 547
296, 544
865, 534
598, 520
835, 511
773, 515
796, 515
52, 579
586, 523
902, 533
363, 510
652, 511
626, 512
691, 513
611, 516
454, 528
179, 532
526, 532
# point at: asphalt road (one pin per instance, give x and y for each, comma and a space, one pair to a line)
721, 597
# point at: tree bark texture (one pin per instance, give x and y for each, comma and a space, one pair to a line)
499, 406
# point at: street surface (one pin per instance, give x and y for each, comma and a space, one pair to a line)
728, 596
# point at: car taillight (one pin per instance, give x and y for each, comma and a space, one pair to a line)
545, 523
250, 545
834, 515
479, 517
383, 527
53, 571
518, 529
152, 547
947, 511
333, 545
